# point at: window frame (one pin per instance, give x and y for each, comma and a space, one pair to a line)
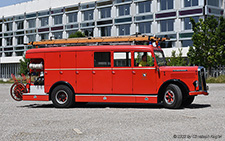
110, 61
166, 5
167, 25
145, 6
123, 8
129, 55
137, 66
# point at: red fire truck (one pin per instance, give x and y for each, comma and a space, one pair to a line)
108, 73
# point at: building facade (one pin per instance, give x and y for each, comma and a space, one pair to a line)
44, 19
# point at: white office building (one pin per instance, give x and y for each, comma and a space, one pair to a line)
42, 19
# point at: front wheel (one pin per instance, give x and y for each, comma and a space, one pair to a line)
172, 97
188, 101
62, 97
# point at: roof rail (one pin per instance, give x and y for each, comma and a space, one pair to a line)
96, 40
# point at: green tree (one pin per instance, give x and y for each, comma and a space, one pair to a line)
23, 65
77, 34
208, 42
176, 59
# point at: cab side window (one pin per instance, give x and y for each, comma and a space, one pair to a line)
122, 59
143, 59
102, 59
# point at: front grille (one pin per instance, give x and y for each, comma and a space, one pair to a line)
201, 79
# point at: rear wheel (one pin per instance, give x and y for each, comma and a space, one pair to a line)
172, 97
188, 101
62, 97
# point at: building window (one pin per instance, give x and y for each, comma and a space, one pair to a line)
106, 31
124, 29
31, 38
8, 26
19, 25
44, 36
166, 4
167, 44
105, 12
102, 59
124, 10
88, 15
215, 3
57, 19
9, 41
144, 27
71, 32
187, 43
122, 59
167, 25
44, 21
72, 17
121, 1
31, 23
57, 35
0, 27
88, 32
187, 23
20, 40
144, 7
190, 3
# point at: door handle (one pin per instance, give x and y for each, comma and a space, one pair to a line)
77, 72
93, 72
113, 72
61, 72
133, 72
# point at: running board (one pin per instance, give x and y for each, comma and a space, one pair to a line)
35, 97
116, 98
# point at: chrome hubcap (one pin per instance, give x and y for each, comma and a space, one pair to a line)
61, 97
169, 97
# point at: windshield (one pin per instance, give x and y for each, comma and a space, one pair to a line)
160, 59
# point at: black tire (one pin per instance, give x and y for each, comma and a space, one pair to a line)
186, 102
62, 97
172, 97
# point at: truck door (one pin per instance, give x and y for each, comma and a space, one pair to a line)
84, 72
68, 65
144, 73
102, 73
52, 69
122, 73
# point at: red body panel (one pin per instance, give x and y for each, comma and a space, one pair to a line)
122, 81
102, 81
83, 72
144, 80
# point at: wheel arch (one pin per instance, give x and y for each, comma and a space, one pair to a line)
184, 88
60, 83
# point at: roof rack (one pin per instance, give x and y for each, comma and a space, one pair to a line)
98, 40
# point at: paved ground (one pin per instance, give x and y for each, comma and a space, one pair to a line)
203, 120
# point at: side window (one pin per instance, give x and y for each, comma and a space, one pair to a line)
143, 59
102, 59
122, 59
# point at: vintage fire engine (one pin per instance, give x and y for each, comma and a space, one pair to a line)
109, 71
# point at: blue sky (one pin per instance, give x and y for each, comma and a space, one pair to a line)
11, 2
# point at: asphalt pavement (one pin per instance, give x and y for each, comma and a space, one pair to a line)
203, 120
